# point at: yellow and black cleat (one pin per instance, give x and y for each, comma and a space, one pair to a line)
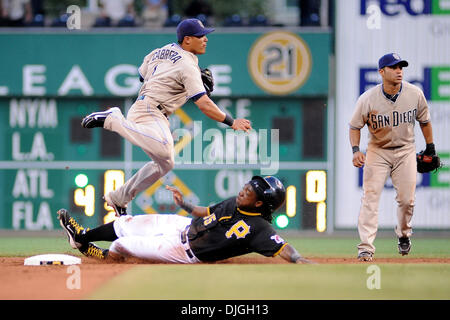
71, 227
91, 250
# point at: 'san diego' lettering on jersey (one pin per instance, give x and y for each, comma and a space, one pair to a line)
167, 54
378, 121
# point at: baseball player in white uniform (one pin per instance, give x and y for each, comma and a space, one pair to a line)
390, 111
171, 76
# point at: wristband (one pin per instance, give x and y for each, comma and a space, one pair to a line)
430, 149
355, 149
187, 207
228, 120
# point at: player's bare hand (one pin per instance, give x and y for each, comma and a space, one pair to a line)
359, 159
242, 124
177, 196
302, 260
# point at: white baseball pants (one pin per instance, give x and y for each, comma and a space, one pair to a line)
155, 237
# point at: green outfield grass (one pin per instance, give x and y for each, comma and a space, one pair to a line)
277, 282
385, 247
272, 281
26, 246
308, 247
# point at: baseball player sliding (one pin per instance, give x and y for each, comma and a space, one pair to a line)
171, 76
390, 110
233, 227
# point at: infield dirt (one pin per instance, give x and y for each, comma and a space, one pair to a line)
19, 282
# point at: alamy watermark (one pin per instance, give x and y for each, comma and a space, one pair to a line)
374, 280
74, 17
373, 21
259, 148
73, 282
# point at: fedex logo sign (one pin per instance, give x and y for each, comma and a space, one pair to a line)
411, 7
435, 81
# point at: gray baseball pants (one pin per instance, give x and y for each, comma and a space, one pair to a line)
400, 164
146, 127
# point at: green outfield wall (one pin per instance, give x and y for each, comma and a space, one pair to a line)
278, 79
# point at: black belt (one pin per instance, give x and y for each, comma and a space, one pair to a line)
160, 107
393, 148
184, 240
163, 111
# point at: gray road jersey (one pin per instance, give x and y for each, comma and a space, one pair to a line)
171, 76
390, 124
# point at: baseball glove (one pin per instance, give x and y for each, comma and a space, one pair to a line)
427, 163
208, 81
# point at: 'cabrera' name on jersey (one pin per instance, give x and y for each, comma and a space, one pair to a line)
171, 77
390, 123
171, 55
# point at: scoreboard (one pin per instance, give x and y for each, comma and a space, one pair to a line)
279, 80
48, 161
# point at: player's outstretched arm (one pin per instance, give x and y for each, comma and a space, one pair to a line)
290, 254
179, 201
210, 109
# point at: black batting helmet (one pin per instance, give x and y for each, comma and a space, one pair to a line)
270, 190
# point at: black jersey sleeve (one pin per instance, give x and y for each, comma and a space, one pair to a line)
267, 242
224, 208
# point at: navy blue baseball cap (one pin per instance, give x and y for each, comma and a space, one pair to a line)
391, 59
191, 27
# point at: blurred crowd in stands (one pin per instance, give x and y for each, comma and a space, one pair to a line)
139, 13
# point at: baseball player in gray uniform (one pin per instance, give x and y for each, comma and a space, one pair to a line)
390, 111
171, 76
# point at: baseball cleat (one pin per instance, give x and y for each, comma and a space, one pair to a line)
404, 245
120, 211
365, 256
91, 250
71, 227
97, 119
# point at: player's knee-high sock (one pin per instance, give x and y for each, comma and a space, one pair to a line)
102, 233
